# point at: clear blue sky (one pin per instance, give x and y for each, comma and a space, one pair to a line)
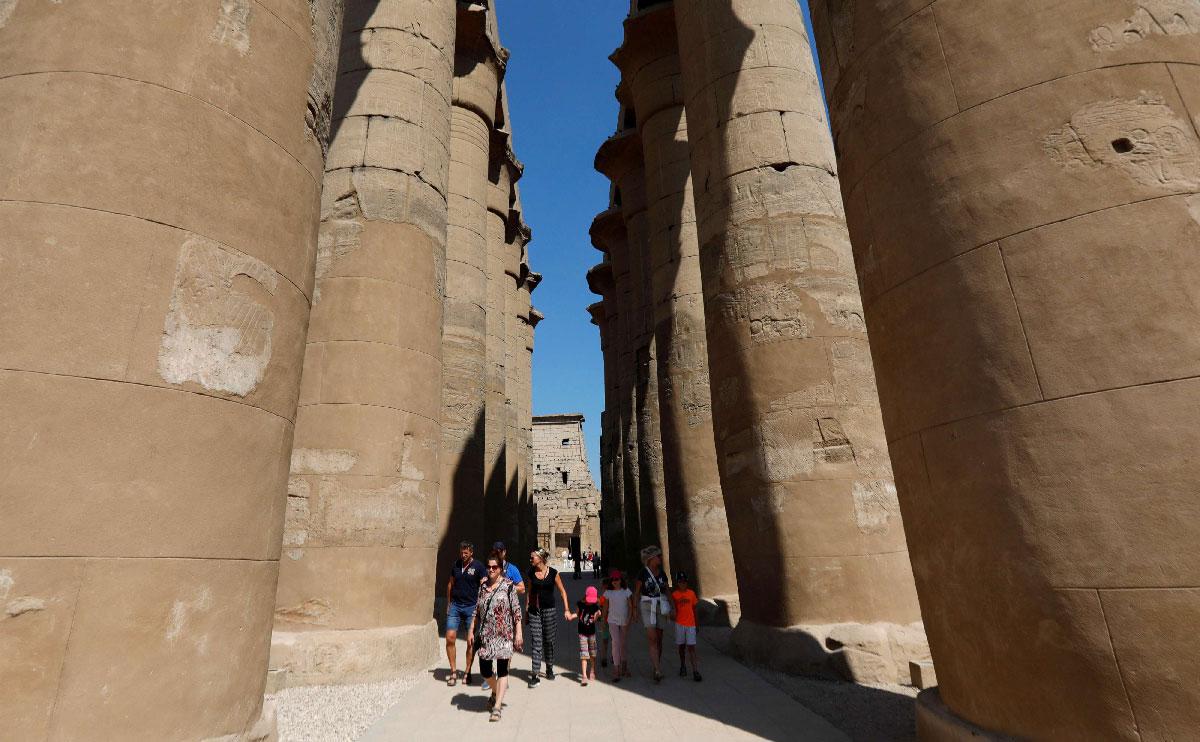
560, 89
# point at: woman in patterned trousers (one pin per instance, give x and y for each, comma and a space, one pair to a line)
542, 582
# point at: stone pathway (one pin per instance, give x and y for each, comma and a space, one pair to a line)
732, 703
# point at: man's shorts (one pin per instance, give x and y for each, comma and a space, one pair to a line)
587, 647
459, 617
685, 635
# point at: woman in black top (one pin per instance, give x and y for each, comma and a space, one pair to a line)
543, 580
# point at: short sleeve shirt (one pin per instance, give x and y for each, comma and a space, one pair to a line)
685, 607
466, 581
589, 613
512, 573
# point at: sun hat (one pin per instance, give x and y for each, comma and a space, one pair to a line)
650, 552
614, 573
590, 596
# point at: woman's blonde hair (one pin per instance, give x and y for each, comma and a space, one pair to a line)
542, 554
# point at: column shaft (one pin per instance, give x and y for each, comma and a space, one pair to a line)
353, 603
696, 523
158, 216
812, 509
477, 70
1021, 182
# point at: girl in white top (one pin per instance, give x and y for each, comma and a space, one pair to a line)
618, 607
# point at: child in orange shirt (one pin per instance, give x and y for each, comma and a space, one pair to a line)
683, 605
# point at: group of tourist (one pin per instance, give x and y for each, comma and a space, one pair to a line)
483, 599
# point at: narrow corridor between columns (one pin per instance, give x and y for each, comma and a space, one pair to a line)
732, 702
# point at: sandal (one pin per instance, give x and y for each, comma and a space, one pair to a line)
495, 716
452, 680
492, 702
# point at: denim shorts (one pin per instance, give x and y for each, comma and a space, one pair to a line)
459, 617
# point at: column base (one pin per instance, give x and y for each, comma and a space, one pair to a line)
266, 729
351, 656
719, 610
937, 723
860, 653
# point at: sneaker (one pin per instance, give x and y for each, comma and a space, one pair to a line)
682, 671
696, 676
549, 675
484, 684
535, 682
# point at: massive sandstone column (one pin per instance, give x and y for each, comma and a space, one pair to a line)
478, 66
515, 271
605, 317
530, 317
695, 518
159, 180
504, 171
609, 236
812, 510
1021, 180
620, 159
353, 602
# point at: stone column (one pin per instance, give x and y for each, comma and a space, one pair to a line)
697, 527
515, 272
1021, 180
160, 172
813, 517
353, 602
478, 65
600, 280
620, 158
530, 317
608, 234
505, 169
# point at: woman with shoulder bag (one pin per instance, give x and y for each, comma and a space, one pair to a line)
650, 596
496, 630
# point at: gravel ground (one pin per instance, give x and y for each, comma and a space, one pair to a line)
866, 713
334, 713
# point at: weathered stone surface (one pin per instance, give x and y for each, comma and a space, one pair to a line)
359, 536
697, 531
160, 179
567, 501
1019, 179
805, 475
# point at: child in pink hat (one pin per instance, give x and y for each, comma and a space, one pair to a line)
588, 613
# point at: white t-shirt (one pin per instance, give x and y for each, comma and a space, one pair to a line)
618, 606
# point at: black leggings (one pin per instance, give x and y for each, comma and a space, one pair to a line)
485, 668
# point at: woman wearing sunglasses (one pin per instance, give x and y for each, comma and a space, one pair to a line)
496, 630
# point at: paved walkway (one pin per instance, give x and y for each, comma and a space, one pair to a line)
732, 703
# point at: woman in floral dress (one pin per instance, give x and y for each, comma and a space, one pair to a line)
496, 630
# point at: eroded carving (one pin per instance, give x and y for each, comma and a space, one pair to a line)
216, 334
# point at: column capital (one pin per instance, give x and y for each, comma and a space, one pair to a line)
600, 278
607, 227
619, 154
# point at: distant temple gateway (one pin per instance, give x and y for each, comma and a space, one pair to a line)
567, 501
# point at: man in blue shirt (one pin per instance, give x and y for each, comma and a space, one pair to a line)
462, 592
510, 569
